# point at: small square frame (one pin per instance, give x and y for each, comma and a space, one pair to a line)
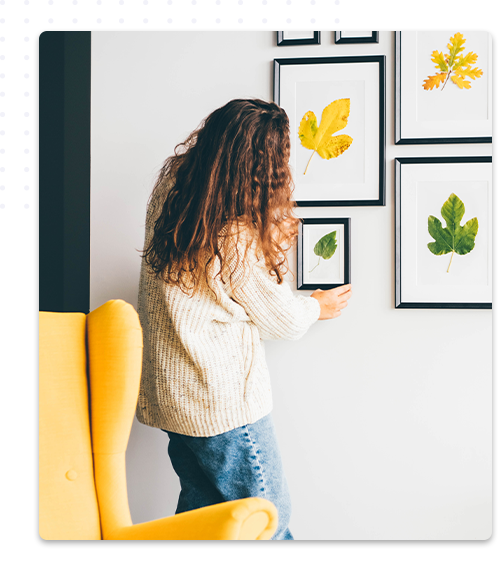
283, 42
339, 39
346, 222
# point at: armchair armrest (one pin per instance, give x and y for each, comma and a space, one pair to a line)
245, 519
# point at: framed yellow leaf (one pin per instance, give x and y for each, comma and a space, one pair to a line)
443, 87
336, 108
453, 62
320, 139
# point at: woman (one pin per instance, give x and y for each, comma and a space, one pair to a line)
219, 223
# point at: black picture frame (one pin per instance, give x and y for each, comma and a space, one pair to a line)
339, 39
283, 42
363, 59
399, 138
399, 162
346, 222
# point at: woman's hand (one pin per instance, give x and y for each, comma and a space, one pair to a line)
332, 301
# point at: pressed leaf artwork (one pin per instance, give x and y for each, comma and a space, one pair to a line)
453, 65
319, 139
454, 238
325, 247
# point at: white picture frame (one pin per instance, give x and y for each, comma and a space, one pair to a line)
444, 113
424, 278
329, 270
357, 176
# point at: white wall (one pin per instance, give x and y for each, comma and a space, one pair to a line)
383, 416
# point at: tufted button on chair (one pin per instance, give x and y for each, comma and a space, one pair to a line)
89, 377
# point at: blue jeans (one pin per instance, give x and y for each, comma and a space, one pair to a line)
240, 463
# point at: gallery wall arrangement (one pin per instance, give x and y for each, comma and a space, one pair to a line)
443, 205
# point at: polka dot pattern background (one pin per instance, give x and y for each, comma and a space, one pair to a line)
21, 23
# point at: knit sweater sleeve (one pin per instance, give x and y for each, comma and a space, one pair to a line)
273, 308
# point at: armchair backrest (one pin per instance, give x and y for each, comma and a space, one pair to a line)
75, 500
68, 506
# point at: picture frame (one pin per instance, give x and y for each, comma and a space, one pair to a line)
291, 38
316, 252
430, 192
344, 37
307, 86
429, 107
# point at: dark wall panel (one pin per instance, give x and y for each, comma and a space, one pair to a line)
64, 170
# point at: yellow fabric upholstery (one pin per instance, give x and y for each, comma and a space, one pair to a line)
82, 488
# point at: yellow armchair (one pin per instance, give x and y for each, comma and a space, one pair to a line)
89, 377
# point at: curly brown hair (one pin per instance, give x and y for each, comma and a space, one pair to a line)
232, 170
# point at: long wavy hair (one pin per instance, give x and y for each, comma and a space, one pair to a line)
232, 170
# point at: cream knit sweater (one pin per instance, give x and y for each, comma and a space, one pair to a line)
204, 370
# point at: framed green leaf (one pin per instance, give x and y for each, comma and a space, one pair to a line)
454, 238
443, 259
331, 245
325, 247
